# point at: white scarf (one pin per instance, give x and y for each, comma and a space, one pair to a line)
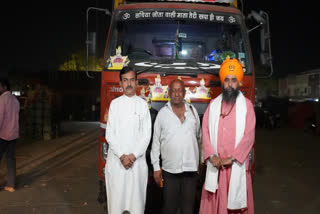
237, 196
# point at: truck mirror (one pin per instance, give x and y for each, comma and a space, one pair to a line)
263, 39
264, 33
256, 16
262, 18
264, 58
253, 15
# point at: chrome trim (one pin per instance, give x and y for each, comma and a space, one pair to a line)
103, 125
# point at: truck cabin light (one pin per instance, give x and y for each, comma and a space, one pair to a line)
184, 52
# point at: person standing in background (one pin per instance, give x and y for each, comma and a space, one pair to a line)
9, 131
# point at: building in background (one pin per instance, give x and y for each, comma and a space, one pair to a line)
301, 87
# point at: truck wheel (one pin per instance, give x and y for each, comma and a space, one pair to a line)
102, 195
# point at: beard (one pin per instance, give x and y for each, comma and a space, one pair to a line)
229, 94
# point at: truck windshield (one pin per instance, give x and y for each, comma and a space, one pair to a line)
187, 45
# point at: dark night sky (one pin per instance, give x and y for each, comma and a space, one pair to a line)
44, 33
294, 34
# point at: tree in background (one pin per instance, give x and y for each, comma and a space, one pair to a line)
77, 62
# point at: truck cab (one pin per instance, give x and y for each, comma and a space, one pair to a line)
165, 40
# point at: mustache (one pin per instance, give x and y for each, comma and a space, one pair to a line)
129, 87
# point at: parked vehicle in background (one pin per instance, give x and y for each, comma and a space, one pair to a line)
272, 112
303, 92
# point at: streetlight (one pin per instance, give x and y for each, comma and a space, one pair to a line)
107, 12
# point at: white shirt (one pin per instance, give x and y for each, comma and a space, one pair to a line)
129, 126
128, 131
175, 141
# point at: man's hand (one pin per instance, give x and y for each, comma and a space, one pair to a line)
216, 161
132, 158
226, 161
157, 175
125, 161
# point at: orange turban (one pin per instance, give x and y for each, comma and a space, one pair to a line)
231, 67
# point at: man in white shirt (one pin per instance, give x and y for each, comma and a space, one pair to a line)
175, 138
128, 134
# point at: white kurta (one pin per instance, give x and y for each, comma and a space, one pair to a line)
128, 131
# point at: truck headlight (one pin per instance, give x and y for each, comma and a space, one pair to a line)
104, 150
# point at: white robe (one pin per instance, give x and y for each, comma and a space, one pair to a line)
128, 131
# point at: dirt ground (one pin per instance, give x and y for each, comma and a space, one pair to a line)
286, 180
287, 172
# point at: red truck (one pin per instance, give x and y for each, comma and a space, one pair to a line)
165, 40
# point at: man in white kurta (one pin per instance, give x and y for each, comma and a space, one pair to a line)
128, 134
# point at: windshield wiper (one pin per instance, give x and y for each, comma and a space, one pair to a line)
157, 63
192, 70
208, 71
146, 69
164, 74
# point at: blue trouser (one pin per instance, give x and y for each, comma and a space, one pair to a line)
9, 147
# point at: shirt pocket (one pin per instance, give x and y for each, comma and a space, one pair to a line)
134, 122
191, 125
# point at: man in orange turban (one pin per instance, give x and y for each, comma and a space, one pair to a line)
231, 75
228, 130
231, 67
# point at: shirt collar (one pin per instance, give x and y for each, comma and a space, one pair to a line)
134, 96
168, 104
